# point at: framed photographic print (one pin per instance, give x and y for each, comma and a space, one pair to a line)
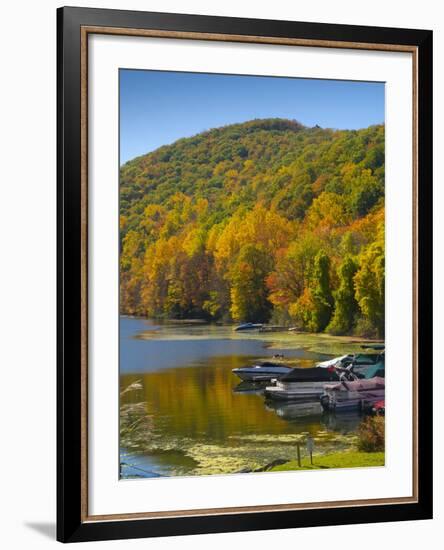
244, 243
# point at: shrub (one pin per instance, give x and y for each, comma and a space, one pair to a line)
372, 434
365, 329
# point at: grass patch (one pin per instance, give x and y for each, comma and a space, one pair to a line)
347, 459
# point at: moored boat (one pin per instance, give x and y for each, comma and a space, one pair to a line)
262, 372
304, 383
340, 361
248, 326
308, 383
363, 365
376, 355
353, 395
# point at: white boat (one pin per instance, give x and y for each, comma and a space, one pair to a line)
353, 395
308, 383
363, 365
304, 383
335, 361
262, 372
301, 390
376, 355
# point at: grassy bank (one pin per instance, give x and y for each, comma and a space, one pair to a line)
347, 459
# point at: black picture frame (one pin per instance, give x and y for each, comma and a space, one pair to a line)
71, 524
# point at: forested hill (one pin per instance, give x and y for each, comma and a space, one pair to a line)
265, 220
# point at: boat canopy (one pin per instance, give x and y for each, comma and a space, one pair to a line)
375, 370
312, 374
367, 358
271, 364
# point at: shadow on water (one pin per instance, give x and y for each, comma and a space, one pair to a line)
256, 388
304, 411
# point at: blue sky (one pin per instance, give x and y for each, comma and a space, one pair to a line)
157, 107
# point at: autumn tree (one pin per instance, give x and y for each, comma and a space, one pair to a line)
255, 221
293, 269
249, 294
327, 212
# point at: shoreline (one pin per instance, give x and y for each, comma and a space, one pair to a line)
342, 459
346, 338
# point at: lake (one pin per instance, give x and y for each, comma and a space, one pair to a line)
183, 412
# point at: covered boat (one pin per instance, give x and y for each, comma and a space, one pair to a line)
369, 370
358, 359
353, 395
363, 365
304, 383
262, 372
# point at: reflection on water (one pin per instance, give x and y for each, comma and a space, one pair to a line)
250, 387
146, 345
188, 413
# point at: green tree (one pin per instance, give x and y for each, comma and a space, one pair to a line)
314, 307
322, 296
345, 305
369, 283
364, 189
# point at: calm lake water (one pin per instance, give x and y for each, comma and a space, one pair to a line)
183, 412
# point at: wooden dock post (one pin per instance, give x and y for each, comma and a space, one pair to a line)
310, 446
298, 447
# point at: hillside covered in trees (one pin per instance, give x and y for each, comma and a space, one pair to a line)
262, 221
